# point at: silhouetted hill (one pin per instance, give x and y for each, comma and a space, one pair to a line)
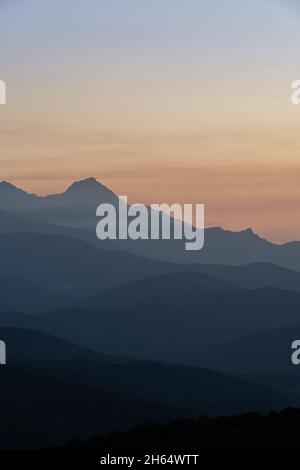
181, 287
173, 322
18, 294
71, 270
39, 408
14, 222
250, 431
27, 345
221, 247
70, 267
255, 275
267, 351
83, 391
150, 313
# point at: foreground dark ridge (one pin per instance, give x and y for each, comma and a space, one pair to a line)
249, 431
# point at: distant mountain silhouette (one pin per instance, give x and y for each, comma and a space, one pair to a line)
221, 247
76, 208
32, 346
173, 326
68, 270
12, 198
72, 268
156, 291
15, 222
163, 320
255, 275
88, 190
266, 352
85, 191
26, 296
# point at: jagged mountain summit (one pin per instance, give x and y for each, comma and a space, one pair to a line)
75, 207
88, 190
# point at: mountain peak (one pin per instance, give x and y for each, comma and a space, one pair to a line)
90, 189
87, 184
8, 186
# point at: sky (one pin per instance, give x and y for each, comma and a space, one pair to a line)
162, 101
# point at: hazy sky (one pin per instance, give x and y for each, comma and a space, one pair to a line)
162, 100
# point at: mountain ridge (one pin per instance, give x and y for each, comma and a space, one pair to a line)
91, 182
75, 209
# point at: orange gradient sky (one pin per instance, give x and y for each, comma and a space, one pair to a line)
161, 101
